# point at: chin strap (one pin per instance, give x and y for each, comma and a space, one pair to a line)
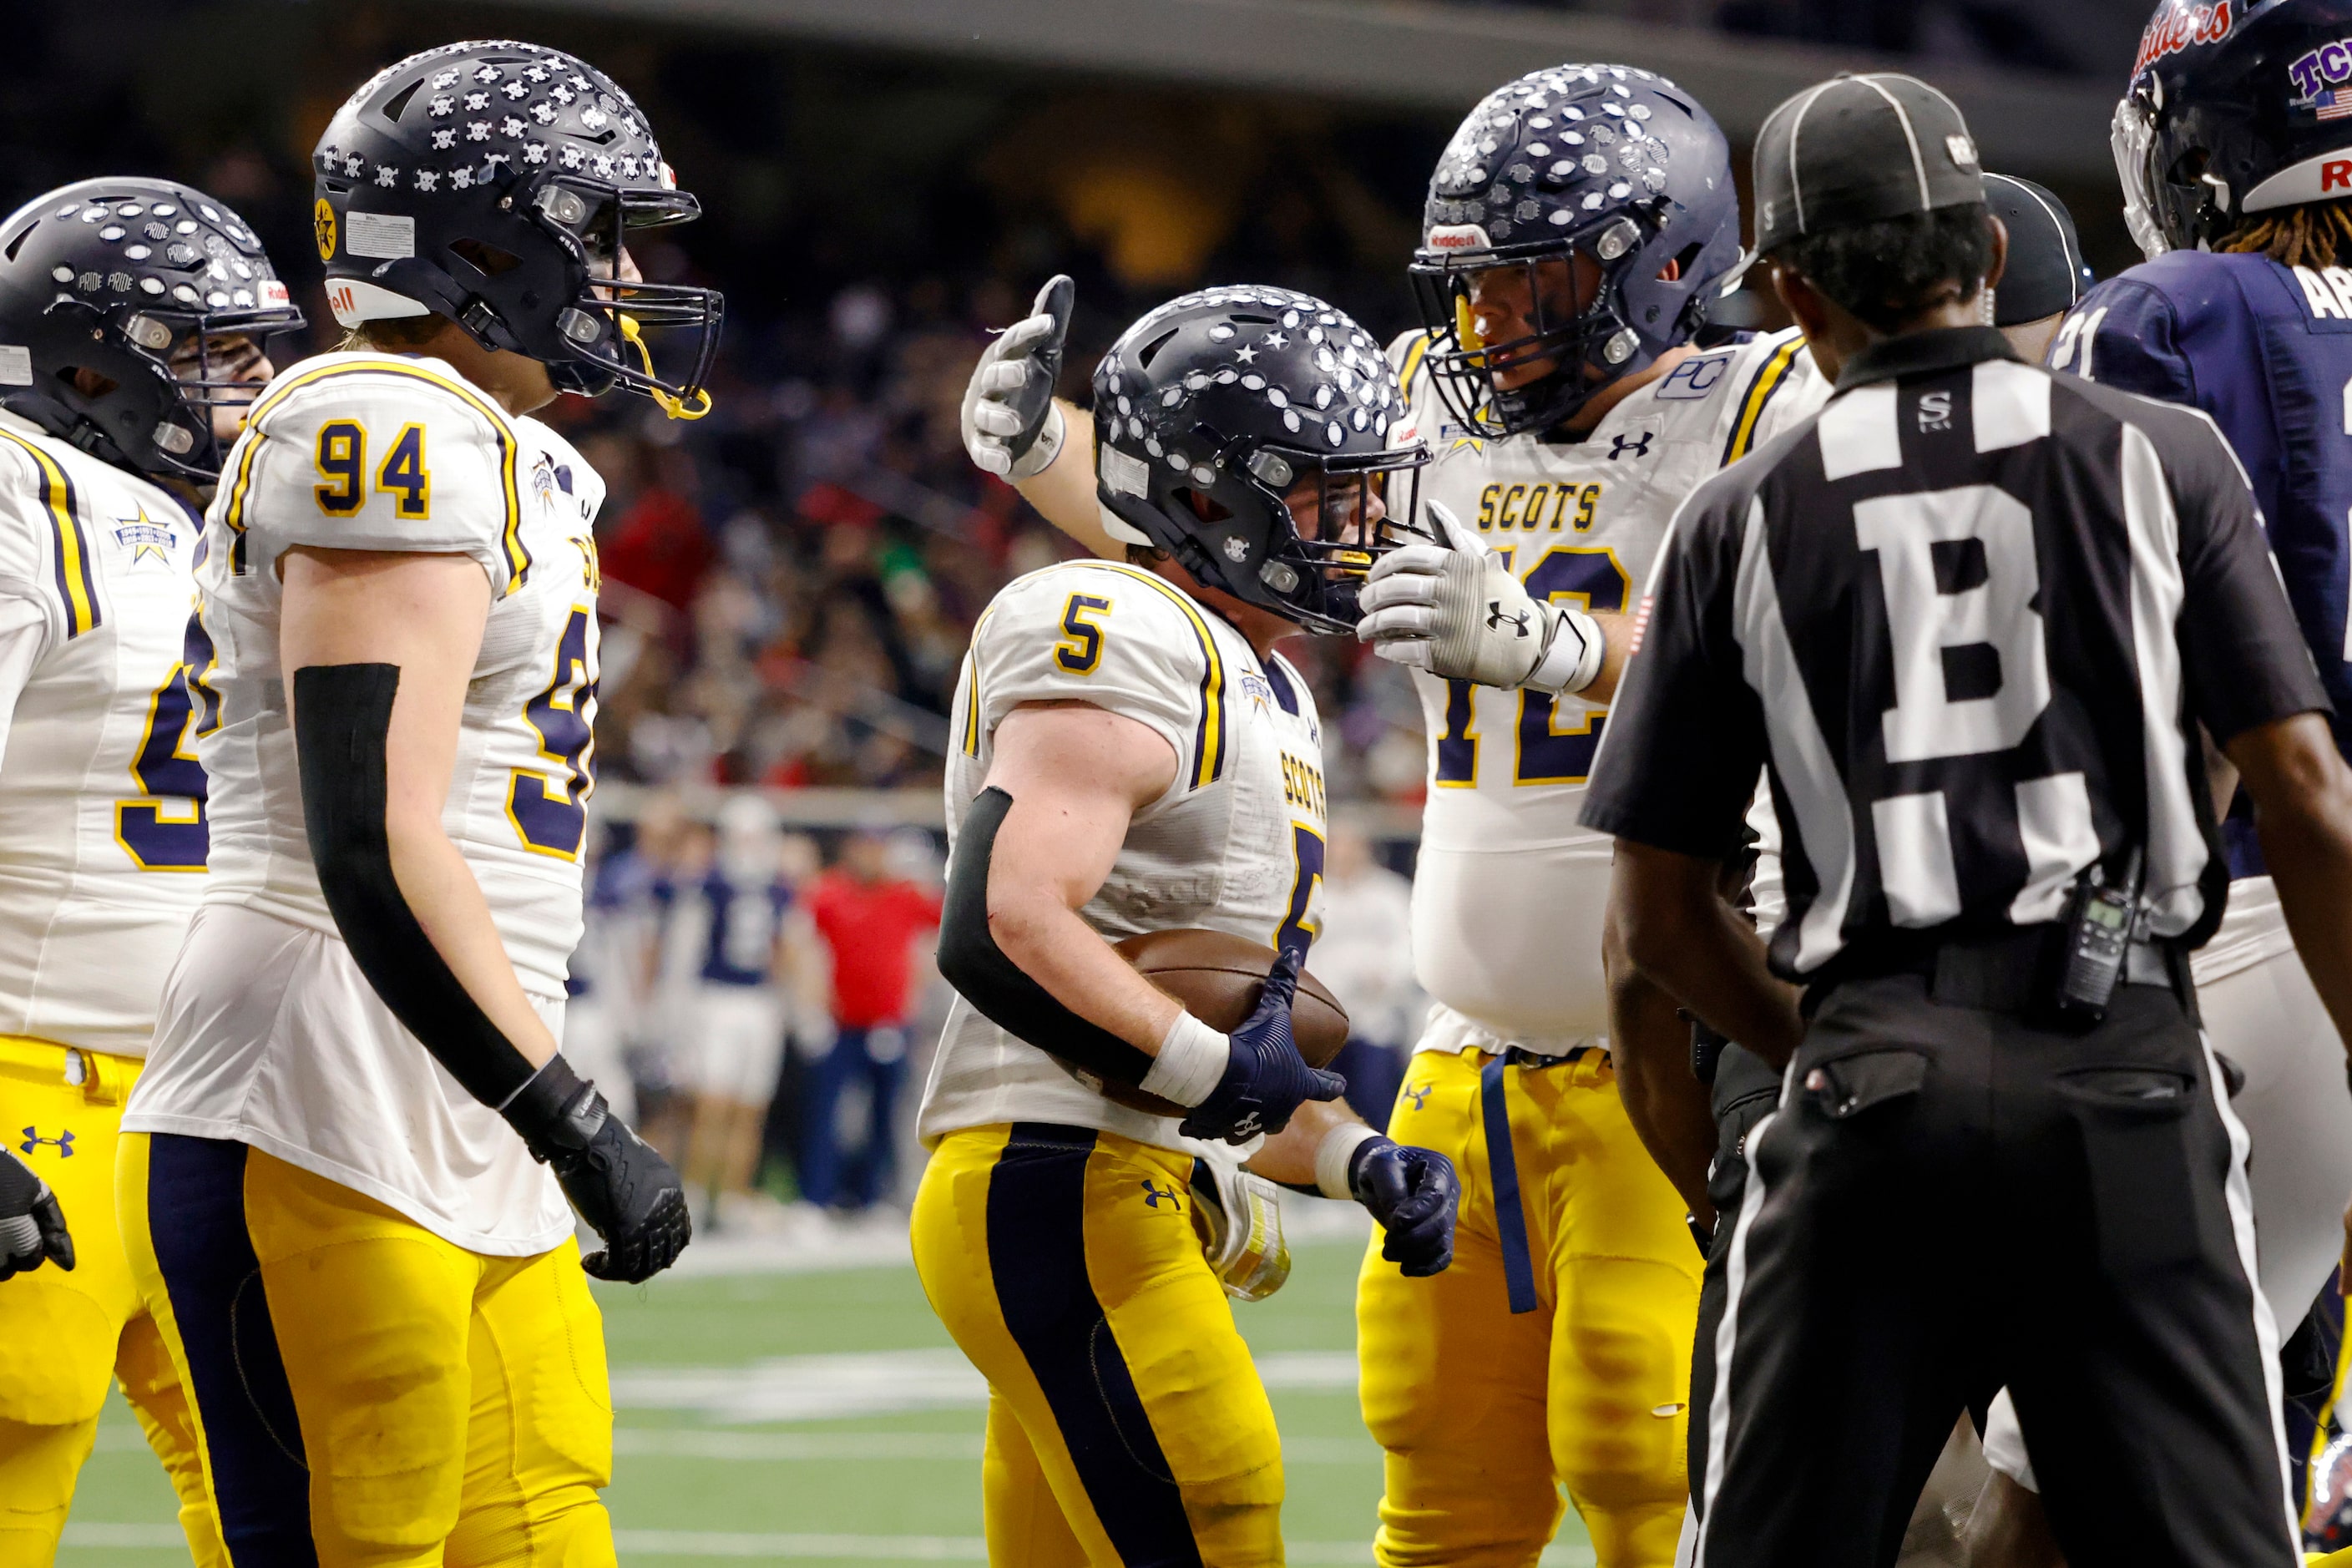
672, 404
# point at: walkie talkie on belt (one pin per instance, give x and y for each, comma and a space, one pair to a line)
2100, 921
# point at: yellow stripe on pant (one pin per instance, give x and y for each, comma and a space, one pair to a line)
65, 1336
1485, 1414
1126, 1422
400, 1401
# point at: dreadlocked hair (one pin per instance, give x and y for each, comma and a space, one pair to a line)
2314, 234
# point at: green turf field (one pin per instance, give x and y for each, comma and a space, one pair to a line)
826, 1418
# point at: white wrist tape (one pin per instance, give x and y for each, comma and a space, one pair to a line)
1573, 659
1335, 1154
1045, 449
1192, 1058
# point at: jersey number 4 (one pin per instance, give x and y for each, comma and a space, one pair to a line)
548, 806
164, 830
1547, 755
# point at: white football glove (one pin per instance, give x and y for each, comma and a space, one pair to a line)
1011, 425
1457, 611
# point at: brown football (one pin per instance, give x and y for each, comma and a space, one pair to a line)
1218, 977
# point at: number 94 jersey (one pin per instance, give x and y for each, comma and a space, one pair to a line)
368, 451
1509, 885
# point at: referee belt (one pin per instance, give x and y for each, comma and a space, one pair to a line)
2008, 973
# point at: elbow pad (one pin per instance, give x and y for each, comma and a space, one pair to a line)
342, 718
1003, 993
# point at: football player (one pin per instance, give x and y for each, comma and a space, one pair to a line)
2234, 169
1135, 756
133, 319
345, 1192
1578, 228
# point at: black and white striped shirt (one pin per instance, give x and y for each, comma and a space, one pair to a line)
1970, 613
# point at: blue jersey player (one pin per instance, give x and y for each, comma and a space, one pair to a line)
2237, 175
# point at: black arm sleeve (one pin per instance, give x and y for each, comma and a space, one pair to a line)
970, 960
342, 716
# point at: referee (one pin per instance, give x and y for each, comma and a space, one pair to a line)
1972, 616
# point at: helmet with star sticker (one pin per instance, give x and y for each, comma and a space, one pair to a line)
494, 184
134, 314
1580, 224
1257, 436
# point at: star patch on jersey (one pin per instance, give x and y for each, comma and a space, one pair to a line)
145, 538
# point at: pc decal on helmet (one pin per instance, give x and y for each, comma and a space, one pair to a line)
1214, 407
2234, 109
494, 184
1607, 164
121, 278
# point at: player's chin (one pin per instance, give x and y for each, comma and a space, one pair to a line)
1517, 375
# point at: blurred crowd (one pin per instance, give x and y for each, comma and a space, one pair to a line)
791, 584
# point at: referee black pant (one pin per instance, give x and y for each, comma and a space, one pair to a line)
1946, 1199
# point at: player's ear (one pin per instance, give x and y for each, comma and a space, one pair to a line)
1999, 262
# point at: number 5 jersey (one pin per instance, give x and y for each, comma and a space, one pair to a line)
269, 1035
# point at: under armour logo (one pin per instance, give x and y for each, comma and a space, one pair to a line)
1619, 446
62, 1143
1419, 1095
1495, 618
1249, 1126
1153, 1196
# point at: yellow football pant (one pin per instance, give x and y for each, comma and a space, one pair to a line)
1482, 1410
1126, 1421
64, 1336
360, 1382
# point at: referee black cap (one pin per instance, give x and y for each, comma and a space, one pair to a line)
2045, 273
1857, 149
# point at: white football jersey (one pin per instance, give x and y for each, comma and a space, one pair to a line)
368, 451
1509, 891
102, 831
1236, 844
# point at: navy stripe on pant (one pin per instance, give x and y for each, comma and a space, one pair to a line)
1038, 1254
253, 1443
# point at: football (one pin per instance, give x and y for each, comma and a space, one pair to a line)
1217, 976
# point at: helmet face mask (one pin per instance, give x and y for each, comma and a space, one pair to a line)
496, 184
137, 282
1607, 174
1572, 329
1257, 436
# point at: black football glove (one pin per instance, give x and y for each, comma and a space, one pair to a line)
620, 1183
1414, 1192
32, 1226
1266, 1078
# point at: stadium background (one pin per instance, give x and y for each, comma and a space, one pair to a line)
790, 583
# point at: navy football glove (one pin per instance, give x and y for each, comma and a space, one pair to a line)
1414, 1192
1266, 1078
620, 1183
32, 1226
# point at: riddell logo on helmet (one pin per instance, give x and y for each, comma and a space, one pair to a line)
2336, 175
1459, 236
2181, 26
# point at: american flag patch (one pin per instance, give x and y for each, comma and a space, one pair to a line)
1641, 625
2332, 105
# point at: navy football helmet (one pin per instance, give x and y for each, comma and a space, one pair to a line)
1212, 409
1611, 163
126, 278
2235, 107
493, 183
